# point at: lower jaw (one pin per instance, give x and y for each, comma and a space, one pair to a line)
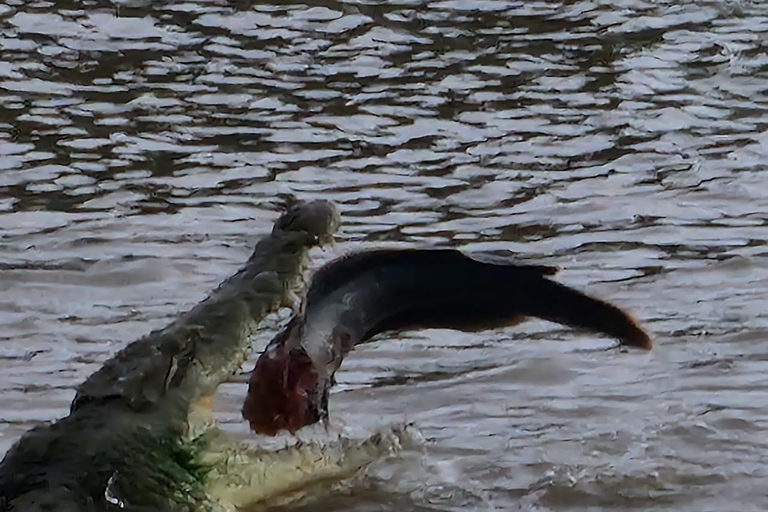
243, 478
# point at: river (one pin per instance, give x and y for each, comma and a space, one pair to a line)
144, 147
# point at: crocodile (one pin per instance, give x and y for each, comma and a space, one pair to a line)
356, 297
134, 439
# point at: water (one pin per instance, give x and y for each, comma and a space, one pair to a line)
145, 147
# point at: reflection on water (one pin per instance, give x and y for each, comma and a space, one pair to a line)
144, 147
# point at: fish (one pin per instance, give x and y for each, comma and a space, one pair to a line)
365, 293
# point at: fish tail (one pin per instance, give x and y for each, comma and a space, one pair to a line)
558, 303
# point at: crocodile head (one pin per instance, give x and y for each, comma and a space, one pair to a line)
319, 219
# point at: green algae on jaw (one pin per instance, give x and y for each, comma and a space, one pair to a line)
210, 473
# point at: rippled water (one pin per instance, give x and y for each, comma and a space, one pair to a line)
145, 146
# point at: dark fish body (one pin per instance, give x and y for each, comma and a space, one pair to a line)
356, 297
371, 292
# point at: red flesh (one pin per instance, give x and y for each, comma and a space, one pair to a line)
281, 392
